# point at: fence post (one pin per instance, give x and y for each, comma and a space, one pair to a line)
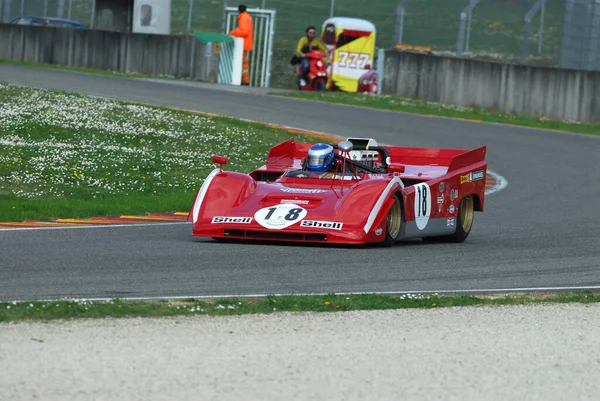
60, 12
93, 16
380, 69
593, 63
332, 9
224, 20
45, 8
465, 14
190, 11
527, 28
399, 25
23, 8
461, 34
4, 5
541, 35
270, 53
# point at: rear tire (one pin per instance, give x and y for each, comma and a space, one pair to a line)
464, 222
394, 223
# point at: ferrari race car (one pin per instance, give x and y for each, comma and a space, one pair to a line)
367, 194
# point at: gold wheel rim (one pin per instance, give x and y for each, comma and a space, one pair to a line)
466, 213
394, 220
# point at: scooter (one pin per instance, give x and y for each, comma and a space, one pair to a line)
317, 72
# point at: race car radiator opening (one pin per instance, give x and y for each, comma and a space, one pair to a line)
275, 235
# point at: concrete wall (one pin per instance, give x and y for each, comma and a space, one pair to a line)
179, 56
531, 91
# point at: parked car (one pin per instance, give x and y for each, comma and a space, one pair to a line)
47, 21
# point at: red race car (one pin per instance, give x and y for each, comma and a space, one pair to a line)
354, 192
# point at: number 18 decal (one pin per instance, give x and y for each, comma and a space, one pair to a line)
422, 204
353, 60
279, 216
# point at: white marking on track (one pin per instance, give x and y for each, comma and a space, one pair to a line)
224, 296
501, 183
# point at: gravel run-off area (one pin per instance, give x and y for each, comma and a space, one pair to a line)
535, 352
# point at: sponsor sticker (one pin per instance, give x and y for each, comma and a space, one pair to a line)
441, 187
440, 199
227, 219
451, 209
450, 222
302, 190
378, 231
333, 225
295, 201
477, 175
472, 176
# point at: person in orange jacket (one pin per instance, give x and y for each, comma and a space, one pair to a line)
245, 30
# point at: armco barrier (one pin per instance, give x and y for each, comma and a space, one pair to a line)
531, 91
174, 55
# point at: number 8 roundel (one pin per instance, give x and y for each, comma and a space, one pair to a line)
422, 204
278, 217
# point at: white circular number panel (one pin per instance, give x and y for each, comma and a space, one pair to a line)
277, 217
422, 204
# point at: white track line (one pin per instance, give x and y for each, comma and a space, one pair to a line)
226, 296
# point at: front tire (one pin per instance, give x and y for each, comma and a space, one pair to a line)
321, 87
394, 223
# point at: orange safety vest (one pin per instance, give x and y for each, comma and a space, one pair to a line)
245, 30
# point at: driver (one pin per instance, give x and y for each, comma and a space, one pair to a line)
320, 158
320, 162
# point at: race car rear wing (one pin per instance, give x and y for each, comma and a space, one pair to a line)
453, 159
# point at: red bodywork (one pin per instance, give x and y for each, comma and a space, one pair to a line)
351, 211
317, 73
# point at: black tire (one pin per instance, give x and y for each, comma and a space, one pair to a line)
321, 86
394, 223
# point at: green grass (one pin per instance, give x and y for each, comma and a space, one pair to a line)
66, 155
117, 308
393, 103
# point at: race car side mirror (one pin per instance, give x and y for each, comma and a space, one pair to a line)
220, 160
396, 168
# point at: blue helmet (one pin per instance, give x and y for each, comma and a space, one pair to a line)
320, 157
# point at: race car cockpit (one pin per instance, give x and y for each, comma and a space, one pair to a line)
355, 156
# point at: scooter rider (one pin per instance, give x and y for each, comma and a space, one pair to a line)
305, 45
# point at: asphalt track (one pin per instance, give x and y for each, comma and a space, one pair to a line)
541, 231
